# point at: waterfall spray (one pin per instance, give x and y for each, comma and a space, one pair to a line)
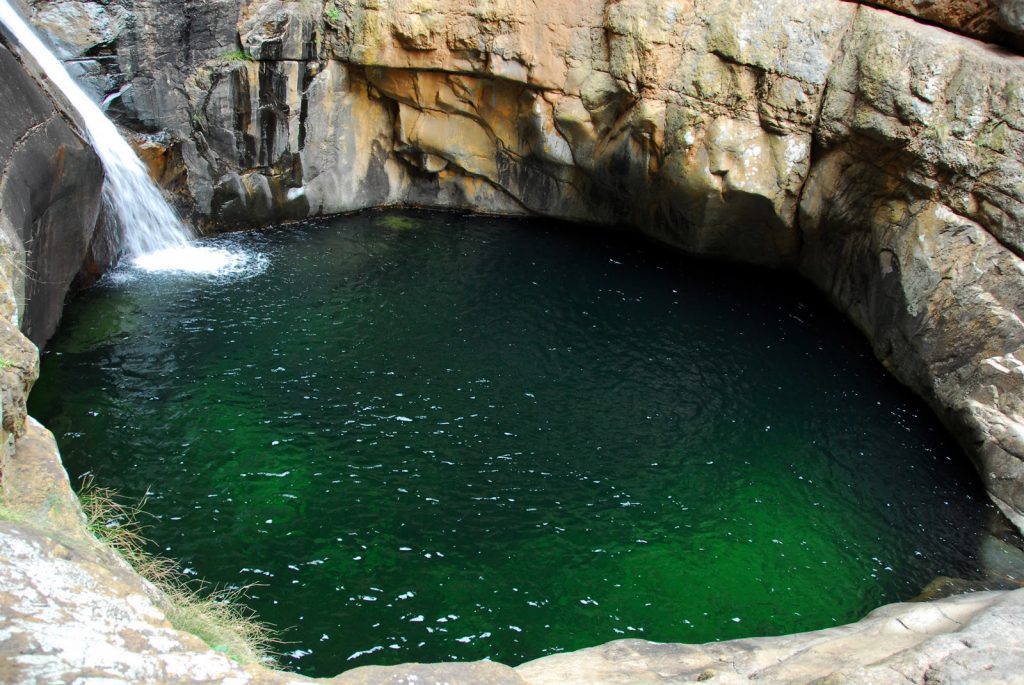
151, 234
147, 223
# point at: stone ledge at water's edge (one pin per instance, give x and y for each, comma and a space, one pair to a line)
881, 157
70, 610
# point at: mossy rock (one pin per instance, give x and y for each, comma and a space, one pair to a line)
398, 223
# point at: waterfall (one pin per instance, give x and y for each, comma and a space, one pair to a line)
147, 223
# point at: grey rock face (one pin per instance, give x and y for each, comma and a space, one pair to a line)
50, 182
911, 222
1011, 15
168, 40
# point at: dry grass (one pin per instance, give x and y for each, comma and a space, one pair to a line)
215, 615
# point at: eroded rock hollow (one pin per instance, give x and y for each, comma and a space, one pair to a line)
877, 148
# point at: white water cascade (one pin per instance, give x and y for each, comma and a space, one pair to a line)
151, 234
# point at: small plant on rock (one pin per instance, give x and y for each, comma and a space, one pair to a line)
216, 616
237, 56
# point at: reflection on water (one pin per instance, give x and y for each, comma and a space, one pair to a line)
429, 437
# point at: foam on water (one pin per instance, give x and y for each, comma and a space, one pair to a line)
146, 221
196, 259
151, 235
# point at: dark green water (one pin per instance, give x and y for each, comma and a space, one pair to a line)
434, 437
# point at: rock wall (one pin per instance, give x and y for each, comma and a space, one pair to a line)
880, 156
50, 184
995, 21
911, 221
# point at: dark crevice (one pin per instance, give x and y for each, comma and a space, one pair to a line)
995, 36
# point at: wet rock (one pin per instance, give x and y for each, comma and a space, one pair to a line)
240, 198
945, 586
162, 162
100, 77
50, 182
1002, 560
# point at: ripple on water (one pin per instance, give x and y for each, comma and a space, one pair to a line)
425, 437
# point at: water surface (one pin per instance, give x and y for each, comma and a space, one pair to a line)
431, 437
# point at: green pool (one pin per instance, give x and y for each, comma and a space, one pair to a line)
432, 437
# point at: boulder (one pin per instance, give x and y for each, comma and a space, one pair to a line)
1011, 16
77, 28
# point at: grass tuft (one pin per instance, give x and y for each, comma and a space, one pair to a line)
237, 56
217, 616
